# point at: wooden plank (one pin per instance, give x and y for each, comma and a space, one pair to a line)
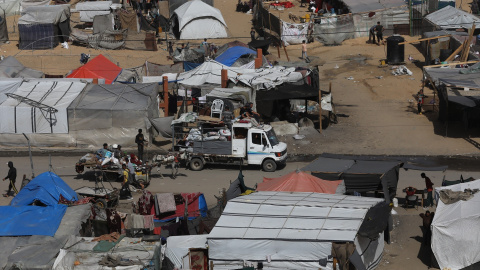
450, 58
422, 39
453, 64
467, 46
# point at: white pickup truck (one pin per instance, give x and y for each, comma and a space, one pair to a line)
246, 145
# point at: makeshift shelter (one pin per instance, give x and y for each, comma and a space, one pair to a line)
451, 18
359, 175
197, 206
284, 230
237, 187
10, 7
21, 217
97, 68
10, 67
197, 20
231, 56
180, 250
37, 106
43, 27
455, 226
298, 181
88, 10
113, 113
228, 45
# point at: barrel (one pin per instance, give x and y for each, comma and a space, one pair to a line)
395, 52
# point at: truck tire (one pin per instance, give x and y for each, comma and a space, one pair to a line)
196, 164
269, 165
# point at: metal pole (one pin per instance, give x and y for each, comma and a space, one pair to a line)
30, 154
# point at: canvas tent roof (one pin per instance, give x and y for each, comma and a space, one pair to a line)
263, 78
232, 54
10, 67
358, 6
99, 67
88, 10
457, 224
298, 181
178, 248
196, 9
45, 14
449, 17
294, 229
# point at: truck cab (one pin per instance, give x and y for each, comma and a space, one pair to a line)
259, 145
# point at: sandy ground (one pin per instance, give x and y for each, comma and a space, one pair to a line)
376, 116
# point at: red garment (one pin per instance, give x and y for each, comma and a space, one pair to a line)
429, 184
135, 160
157, 230
145, 203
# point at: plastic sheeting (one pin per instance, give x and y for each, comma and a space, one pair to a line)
45, 14
10, 67
88, 10
232, 54
357, 6
293, 230
456, 229
450, 18
30, 220
178, 248
294, 33
20, 117
192, 10
45, 188
11, 7
99, 67
298, 181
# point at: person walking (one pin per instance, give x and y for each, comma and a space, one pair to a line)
371, 36
379, 28
420, 99
140, 141
12, 176
252, 34
304, 50
429, 185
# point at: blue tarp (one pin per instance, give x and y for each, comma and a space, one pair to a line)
30, 220
45, 188
232, 54
189, 65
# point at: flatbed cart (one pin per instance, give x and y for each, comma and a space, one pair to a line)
101, 196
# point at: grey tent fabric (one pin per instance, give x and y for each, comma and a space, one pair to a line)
152, 69
10, 67
101, 23
163, 126
450, 18
45, 14
423, 167
3, 29
358, 6
328, 168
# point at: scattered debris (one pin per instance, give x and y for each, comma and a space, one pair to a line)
350, 78
298, 137
401, 70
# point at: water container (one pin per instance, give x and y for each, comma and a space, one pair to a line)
395, 52
395, 202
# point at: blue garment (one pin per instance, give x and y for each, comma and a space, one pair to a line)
45, 188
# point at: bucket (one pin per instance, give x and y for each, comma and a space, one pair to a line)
382, 62
395, 202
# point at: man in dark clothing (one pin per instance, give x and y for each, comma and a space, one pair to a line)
379, 28
140, 141
429, 186
252, 34
372, 34
427, 222
12, 176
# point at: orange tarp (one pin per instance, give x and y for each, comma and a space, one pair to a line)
97, 68
298, 181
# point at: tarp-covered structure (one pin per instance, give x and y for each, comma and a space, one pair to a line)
10, 7
231, 56
298, 181
452, 18
97, 68
178, 249
113, 113
197, 20
456, 227
88, 10
22, 217
43, 27
359, 175
296, 230
10, 67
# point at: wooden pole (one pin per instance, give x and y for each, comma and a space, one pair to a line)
258, 60
453, 64
95, 80
278, 49
224, 77
423, 39
450, 58
285, 49
165, 94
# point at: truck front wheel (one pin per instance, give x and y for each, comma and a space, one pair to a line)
269, 165
196, 164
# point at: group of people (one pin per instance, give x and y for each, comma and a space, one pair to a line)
411, 191
376, 31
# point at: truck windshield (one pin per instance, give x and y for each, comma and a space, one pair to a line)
272, 137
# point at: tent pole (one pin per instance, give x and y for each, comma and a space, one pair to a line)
165, 95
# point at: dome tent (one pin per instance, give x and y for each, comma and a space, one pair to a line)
197, 20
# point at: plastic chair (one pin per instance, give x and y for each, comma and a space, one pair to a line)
217, 108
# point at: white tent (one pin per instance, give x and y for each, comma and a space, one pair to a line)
291, 230
178, 248
263, 78
37, 106
88, 10
197, 20
456, 229
451, 18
